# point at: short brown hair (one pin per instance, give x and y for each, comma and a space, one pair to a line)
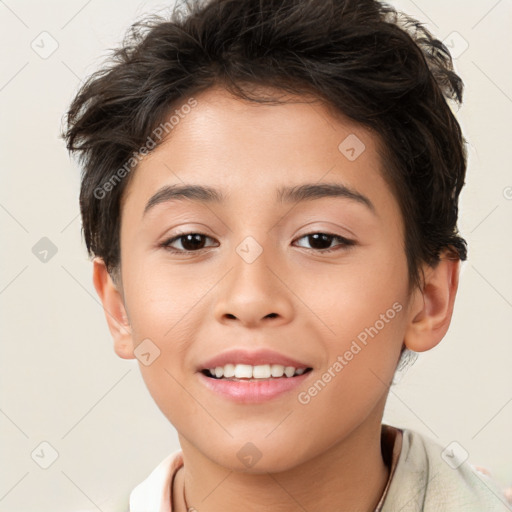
378, 67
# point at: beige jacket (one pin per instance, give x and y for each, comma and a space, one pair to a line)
428, 478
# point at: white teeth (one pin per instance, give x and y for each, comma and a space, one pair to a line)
229, 370
242, 371
261, 371
289, 371
276, 370
246, 371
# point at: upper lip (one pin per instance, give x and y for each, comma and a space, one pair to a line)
254, 358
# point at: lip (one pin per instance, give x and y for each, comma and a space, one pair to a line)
254, 358
251, 392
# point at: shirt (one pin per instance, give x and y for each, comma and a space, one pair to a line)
423, 477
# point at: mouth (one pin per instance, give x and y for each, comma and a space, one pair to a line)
252, 377
246, 384
249, 373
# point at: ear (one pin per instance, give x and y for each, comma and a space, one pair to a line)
115, 312
432, 307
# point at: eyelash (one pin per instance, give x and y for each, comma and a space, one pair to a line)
345, 242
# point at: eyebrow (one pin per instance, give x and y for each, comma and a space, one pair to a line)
295, 194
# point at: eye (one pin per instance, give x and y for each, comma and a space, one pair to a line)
190, 242
319, 240
194, 242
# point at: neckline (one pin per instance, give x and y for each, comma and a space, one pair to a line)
178, 495
391, 447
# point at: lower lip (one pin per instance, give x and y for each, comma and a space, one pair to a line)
250, 392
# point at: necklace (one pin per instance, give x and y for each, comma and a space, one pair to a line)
175, 493
187, 508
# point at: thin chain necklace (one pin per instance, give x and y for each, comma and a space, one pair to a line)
183, 498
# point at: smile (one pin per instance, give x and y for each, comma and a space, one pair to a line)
250, 390
249, 372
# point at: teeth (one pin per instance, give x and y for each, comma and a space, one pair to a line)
289, 371
246, 371
261, 372
229, 370
242, 371
276, 370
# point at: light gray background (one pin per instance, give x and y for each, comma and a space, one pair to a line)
62, 383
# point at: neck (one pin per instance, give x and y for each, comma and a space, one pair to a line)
350, 476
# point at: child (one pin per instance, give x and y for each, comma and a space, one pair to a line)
255, 130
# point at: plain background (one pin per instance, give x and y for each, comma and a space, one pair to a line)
61, 382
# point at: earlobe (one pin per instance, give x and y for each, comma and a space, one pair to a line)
431, 309
115, 311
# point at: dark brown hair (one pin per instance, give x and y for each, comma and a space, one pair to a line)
378, 67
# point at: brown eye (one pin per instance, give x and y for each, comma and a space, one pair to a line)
321, 242
190, 242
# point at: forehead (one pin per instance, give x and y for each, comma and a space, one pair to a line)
250, 148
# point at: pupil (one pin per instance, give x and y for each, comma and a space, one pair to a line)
322, 237
194, 241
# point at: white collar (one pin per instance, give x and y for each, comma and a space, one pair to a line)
154, 493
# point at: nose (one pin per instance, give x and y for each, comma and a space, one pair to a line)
254, 292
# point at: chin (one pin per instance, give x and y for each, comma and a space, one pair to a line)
255, 458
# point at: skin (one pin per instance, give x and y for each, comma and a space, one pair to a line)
324, 455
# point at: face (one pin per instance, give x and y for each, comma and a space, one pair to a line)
320, 279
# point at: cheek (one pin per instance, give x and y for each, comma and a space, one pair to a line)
161, 301
360, 306
161, 295
348, 295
